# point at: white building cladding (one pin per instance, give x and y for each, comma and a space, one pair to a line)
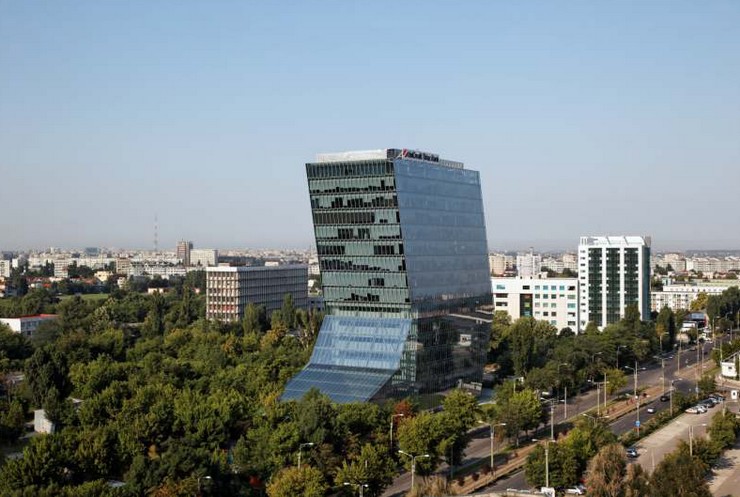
681, 296
554, 300
613, 272
203, 257
230, 289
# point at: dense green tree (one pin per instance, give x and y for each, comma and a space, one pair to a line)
47, 369
372, 466
636, 481
559, 465
12, 420
294, 482
252, 321
679, 475
606, 472
154, 322
520, 410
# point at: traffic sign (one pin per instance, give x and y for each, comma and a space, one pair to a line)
637, 423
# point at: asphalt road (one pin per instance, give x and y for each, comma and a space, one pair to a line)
649, 375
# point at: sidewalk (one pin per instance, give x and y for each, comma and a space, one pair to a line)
726, 481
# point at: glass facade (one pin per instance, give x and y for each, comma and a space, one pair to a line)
403, 256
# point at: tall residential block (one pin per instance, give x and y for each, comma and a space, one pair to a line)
613, 273
402, 248
229, 290
183, 251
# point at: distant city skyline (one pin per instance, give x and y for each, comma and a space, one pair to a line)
583, 118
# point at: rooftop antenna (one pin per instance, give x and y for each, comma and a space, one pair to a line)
156, 235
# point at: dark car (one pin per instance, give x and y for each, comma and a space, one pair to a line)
665, 398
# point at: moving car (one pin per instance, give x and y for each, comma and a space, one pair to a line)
665, 398
651, 410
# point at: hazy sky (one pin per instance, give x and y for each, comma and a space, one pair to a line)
583, 117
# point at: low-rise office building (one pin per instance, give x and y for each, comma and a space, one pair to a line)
554, 300
26, 325
678, 297
230, 289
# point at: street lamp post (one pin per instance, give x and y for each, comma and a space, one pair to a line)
493, 428
691, 436
202, 478
413, 463
300, 451
361, 486
393, 417
637, 399
662, 372
565, 398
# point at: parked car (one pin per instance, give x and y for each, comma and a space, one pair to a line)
692, 410
717, 396
632, 453
577, 490
702, 409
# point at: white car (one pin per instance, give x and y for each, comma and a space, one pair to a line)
577, 490
692, 410
651, 410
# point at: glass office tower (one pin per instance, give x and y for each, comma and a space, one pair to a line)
402, 247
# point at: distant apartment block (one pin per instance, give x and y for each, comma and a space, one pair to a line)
26, 325
203, 257
123, 265
163, 270
554, 300
501, 264
613, 273
680, 296
5, 267
230, 289
61, 269
528, 265
183, 251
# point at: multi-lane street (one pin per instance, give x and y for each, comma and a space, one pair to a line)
681, 374
653, 375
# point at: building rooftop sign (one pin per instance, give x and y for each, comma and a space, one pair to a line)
389, 153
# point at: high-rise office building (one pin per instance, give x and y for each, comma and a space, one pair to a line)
183, 251
613, 273
401, 242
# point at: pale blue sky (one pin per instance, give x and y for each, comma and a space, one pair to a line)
584, 117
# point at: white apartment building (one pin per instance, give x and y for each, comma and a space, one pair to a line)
5, 267
553, 264
528, 265
163, 270
26, 325
570, 261
680, 296
204, 257
613, 272
554, 300
500, 263
713, 264
230, 289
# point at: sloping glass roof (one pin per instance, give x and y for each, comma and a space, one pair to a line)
352, 359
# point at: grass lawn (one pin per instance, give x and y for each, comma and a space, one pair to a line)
88, 296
